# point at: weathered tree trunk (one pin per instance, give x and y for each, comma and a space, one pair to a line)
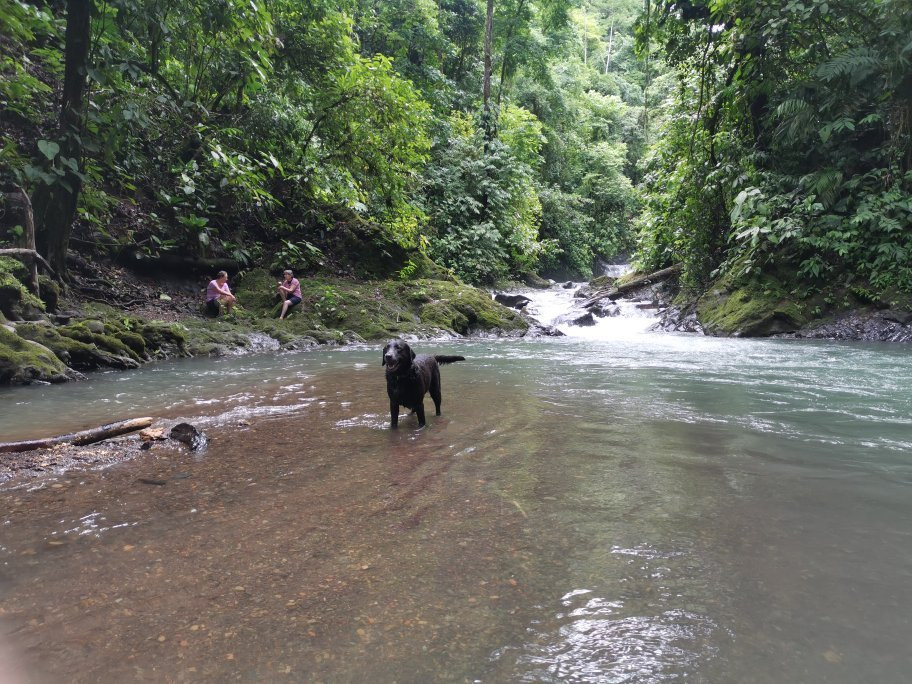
30, 242
55, 204
616, 292
80, 438
28, 252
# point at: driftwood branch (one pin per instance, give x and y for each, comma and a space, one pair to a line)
80, 438
616, 292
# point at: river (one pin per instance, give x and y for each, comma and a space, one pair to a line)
611, 506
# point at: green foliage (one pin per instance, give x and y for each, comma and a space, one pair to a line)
241, 129
298, 256
483, 204
800, 151
25, 27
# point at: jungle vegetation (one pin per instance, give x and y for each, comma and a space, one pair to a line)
497, 137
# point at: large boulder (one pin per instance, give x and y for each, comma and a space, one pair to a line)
23, 361
16, 302
747, 312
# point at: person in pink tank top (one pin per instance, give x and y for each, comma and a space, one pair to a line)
290, 292
218, 293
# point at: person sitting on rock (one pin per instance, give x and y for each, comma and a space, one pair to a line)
290, 292
218, 293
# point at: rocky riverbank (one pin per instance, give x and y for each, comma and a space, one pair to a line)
64, 335
765, 309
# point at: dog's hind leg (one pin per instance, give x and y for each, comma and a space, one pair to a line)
435, 389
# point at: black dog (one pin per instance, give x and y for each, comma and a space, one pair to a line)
409, 377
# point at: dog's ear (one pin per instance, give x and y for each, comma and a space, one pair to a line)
412, 352
383, 361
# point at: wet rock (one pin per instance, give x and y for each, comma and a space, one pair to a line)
901, 317
514, 301
870, 326
605, 309
677, 319
303, 342
150, 434
536, 330
586, 319
568, 285
188, 434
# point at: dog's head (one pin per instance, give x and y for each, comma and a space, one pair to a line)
397, 355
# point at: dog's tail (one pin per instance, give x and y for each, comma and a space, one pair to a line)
439, 358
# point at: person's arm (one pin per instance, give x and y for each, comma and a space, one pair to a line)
224, 289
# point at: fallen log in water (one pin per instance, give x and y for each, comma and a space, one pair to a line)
80, 438
616, 292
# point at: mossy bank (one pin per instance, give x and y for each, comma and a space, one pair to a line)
761, 306
332, 311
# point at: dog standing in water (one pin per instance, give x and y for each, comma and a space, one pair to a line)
410, 377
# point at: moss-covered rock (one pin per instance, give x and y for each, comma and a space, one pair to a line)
755, 308
603, 281
163, 340
536, 281
216, 337
16, 302
49, 290
462, 309
81, 354
86, 331
23, 361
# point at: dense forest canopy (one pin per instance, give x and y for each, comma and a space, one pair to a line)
730, 136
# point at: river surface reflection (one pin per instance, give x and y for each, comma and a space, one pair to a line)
632, 510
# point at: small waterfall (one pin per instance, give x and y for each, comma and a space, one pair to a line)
557, 307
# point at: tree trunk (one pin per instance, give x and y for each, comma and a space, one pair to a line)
487, 122
55, 204
27, 252
80, 438
610, 46
30, 242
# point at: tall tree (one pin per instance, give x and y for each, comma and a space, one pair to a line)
55, 201
486, 87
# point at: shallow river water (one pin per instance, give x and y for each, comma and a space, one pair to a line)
607, 507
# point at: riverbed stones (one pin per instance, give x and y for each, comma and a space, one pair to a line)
190, 435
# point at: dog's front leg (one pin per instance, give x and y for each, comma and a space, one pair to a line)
420, 411
394, 413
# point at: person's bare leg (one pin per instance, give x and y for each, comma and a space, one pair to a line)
284, 296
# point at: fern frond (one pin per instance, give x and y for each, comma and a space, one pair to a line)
856, 65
